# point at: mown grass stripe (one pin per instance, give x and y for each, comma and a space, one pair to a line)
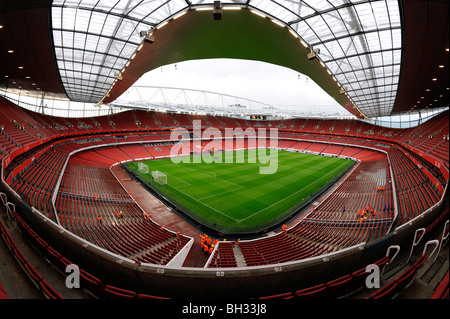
235, 196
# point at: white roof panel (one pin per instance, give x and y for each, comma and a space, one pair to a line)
359, 41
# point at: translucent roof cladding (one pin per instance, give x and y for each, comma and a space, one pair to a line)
359, 41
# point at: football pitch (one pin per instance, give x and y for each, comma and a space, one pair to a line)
234, 197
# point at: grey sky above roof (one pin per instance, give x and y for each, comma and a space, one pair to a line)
360, 42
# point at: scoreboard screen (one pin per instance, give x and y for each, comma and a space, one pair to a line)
257, 117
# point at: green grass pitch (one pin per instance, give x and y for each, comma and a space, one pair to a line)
234, 197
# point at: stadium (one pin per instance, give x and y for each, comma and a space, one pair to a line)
127, 197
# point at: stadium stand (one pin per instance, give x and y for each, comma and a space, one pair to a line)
441, 291
2, 292
31, 272
54, 166
396, 286
71, 201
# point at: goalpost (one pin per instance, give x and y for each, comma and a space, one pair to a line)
142, 168
159, 177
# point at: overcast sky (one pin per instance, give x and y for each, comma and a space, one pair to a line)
262, 82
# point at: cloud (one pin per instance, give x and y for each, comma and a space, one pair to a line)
262, 82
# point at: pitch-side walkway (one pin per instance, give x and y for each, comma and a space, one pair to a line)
163, 215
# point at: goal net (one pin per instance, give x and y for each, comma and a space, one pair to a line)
159, 177
142, 168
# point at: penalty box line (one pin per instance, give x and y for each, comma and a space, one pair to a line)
198, 201
221, 193
210, 174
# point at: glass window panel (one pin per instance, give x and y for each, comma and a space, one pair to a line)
345, 20
342, 66
57, 38
355, 62
394, 13
366, 17
91, 42
373, 41
110, 25
102, 43
56, 17
284, 10
396, 38
359, 43
68, 18
305, 32
378, 59
335, 48
126, 30
124, 7
360, 74
305, 10
161, 13
322, 5
57, 2
140, 12
97, 22
82, 21
90, 3
79, 38
379, 10
319, 26
387, 58
385, 39
116, 47
354, 85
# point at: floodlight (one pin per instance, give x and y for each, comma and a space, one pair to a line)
150, 38
313, 54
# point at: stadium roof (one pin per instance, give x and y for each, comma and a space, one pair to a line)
375, 58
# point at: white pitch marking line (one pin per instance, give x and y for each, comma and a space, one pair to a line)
215, 176
291, 194
204, 204
231, 190
188, 184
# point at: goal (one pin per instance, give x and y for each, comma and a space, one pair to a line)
159, 177
142, 168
